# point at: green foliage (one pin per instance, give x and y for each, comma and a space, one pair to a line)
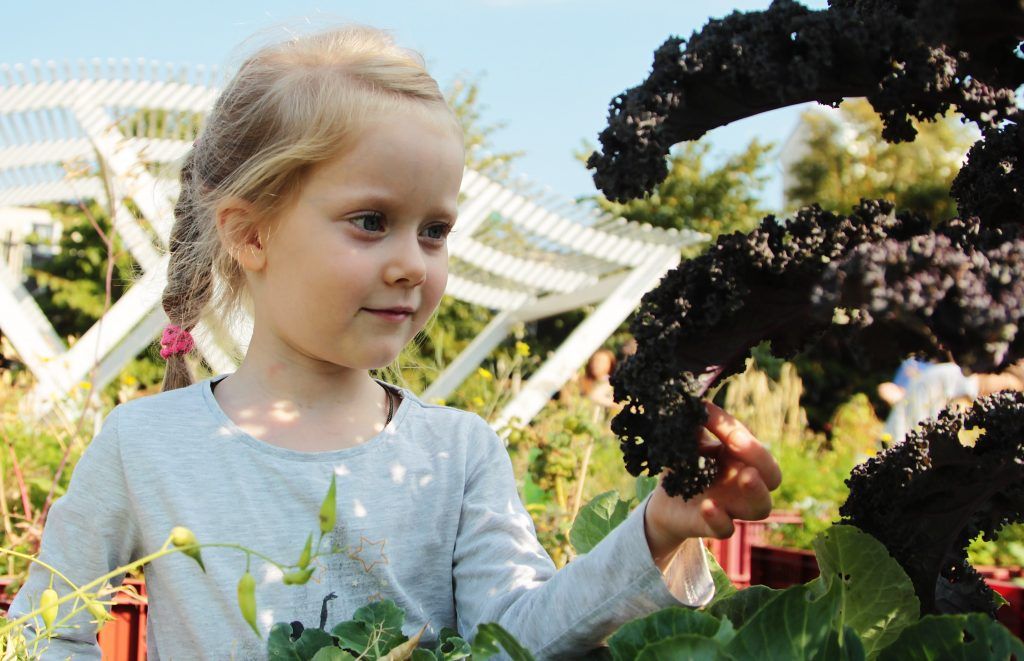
491, 639
1007, 551
863, 606
806, 616
742, 605
375, 632
153, 122
30, 455
70, 287
550, 455
597, 519
847, 160
876, 596
699, 196
658, 628
954, 637
723, 585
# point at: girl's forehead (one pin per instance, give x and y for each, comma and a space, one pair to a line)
394, 154
395, 131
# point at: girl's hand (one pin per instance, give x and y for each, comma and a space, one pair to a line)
748, 473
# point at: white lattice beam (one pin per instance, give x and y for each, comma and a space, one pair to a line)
585, 339
573, 255
471, 357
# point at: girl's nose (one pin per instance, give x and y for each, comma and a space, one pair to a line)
406, 263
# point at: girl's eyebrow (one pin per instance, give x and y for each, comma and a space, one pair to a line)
444, 213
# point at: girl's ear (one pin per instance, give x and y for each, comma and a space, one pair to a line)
239, 233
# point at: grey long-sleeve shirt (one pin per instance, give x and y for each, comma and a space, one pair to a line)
428, 515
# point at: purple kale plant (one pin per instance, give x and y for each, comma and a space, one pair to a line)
884, 282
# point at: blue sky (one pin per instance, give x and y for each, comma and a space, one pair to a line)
547, 68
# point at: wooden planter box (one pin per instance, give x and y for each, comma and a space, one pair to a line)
733, 554
123, 638
779, 567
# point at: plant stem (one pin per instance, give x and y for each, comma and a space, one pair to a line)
578, 497
8, 528
560, 492
82, 591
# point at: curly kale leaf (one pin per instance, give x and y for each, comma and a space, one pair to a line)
910, 58
991, 184
883, 283
699, 325
957, 291
926, 498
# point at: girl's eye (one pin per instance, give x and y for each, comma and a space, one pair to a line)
370, 222
437, 232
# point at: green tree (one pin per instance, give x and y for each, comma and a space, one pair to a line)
71, 286
699, 196
846, 159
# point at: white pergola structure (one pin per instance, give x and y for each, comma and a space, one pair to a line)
111, 131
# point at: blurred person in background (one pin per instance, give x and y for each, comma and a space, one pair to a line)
921, 389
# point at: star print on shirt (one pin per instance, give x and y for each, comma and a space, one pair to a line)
357, 554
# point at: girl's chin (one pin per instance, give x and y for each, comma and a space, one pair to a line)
378, 360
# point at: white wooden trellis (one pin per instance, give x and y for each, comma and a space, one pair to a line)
110, 130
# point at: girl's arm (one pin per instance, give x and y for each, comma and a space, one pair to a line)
502, 574
89, 531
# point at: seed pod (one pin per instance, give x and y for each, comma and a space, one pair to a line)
48, 602
182, 537
298, 577
99, 613
329, 508
247, 600
304, 557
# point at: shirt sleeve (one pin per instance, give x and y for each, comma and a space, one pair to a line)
502, 574
89, 532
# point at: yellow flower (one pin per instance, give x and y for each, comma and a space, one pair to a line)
484, 373
523, 349
439, 401
85, 385
129, 380
478, 401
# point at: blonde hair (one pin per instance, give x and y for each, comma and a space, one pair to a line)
290, 107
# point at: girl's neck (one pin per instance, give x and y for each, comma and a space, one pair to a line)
299, 409
273, 371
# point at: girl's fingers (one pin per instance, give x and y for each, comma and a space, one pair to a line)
756, 501
717, 520
742, 493
742, 444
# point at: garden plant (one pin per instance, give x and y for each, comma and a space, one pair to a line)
886, 282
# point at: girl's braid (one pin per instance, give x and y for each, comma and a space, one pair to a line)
189, 271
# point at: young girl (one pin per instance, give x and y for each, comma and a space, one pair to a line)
320, 194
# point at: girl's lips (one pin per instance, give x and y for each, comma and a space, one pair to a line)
391, 314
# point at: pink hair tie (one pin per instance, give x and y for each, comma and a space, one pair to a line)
175, 340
